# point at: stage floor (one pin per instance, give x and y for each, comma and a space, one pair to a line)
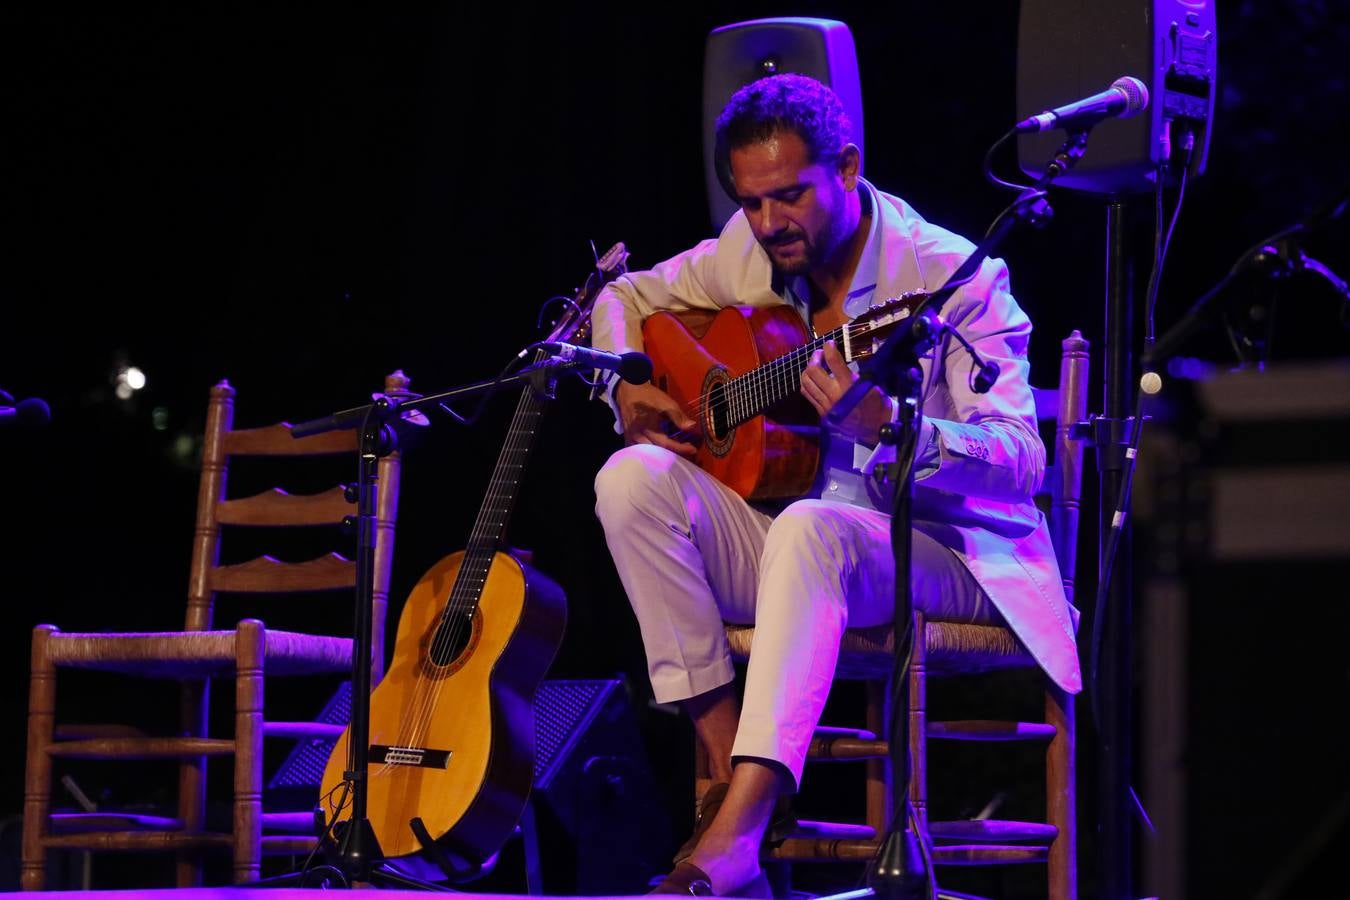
237, 893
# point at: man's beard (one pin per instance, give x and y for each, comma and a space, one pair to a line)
810, 256
816, 249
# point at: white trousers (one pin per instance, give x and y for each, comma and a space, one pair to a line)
692, 555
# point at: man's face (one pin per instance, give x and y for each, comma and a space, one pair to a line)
795, 207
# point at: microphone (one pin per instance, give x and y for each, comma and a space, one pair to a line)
634, 368
1126, 97
29, 413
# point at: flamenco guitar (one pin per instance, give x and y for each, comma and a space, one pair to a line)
452, 724
738, 372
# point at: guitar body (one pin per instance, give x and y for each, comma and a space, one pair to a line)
452, 723
770, 456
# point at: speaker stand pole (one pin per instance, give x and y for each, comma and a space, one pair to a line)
1115, 685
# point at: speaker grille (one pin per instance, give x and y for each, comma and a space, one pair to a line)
303, 767
563, 710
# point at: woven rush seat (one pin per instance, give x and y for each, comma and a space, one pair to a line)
952, 648
199, 654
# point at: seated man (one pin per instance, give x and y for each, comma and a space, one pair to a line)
692, 554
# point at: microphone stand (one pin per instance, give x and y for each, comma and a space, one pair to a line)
902, 869
358, 859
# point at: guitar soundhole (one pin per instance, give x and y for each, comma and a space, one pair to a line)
718, 420
719, 430
448, 646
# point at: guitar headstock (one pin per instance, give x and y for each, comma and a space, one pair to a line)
870, 329
574, 326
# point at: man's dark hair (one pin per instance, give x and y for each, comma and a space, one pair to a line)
786, 102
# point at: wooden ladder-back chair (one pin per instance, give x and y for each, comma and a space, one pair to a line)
248, 653
950, 649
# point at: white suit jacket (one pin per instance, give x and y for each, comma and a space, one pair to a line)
991, 459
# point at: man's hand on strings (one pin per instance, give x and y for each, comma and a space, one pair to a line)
828, 378
651, 416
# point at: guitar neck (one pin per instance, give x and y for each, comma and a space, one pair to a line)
749, 395
489, 530
494, 515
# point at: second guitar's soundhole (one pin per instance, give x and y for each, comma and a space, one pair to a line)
447, 646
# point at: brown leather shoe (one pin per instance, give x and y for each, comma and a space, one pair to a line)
687, 878
780, 826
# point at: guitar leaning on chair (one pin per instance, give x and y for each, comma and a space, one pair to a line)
451, 759
738, 371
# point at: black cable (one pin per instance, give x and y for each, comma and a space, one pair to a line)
1162, 238
988, 166
1026, 199
346, 787
1151, 292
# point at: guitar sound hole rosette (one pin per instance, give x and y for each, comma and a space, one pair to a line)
448, 644
718, 431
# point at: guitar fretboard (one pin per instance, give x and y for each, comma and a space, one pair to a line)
746, 396
495, 514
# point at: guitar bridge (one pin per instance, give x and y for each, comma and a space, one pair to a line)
423, 757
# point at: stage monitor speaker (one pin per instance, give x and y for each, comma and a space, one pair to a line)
1068, 51
738, 54
293, 785
603, 824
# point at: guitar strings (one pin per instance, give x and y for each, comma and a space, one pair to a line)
471, 578
745, 396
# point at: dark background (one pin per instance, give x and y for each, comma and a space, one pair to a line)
301, 201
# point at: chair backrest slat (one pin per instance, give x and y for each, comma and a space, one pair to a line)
268, 575
276, 440
277, 508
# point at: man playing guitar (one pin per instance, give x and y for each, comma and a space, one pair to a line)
692, 553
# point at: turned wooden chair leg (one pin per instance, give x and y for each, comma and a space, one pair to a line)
248, 761
37, 783
918, 728
1061, 800
194, 698
880, 807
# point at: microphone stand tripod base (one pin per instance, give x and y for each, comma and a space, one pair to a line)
899, 873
